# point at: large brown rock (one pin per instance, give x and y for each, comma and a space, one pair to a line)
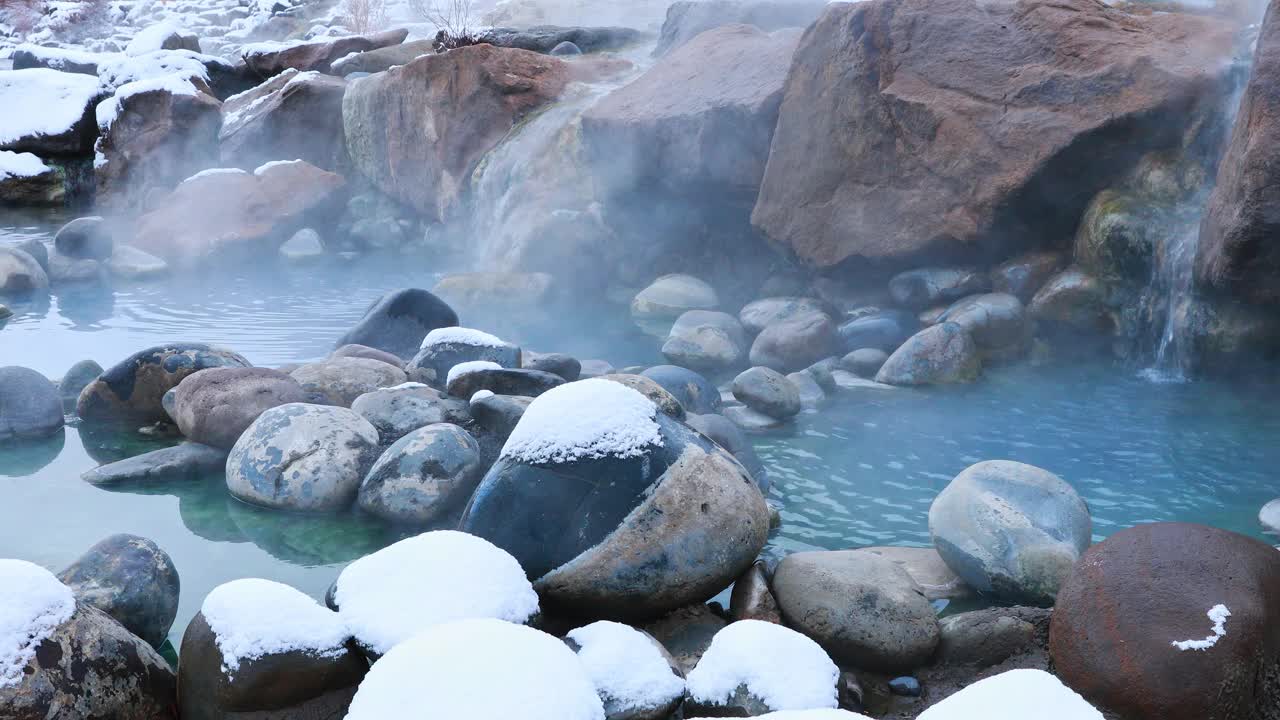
1237, 253
215, 406
1134, 595
418, 131
702, 117
896, 139
237, 210
293, 115
270, 59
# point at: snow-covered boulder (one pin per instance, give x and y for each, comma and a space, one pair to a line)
56, 654
424, 475
302, 457
634, 675
25, 180
445, 348
269, 59
261, 124
615, 510
131, 579
258, 645
479, 670
64, 122
754, 667
467, 379
433, 578
68, 60
162, 36
1014, 695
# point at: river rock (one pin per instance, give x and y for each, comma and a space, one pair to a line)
754, 668
925, 287
937, 355
260, 125
811, 394
75, 380
706, 340
420, 160
1023, 276
670, 296
759, 314
767, 391
443, 348
29, 405
1118, 236
686, 633
215, 406
20, 273
727, 435
1119, 626
64, 270
131, 579
84, 237
686, 19
847, 178
752, 599
425, 474
795, 344
864, 609
339, 381
304, 246
188, 461
988, 637
302, 457
399, 321
927, 568
1010, 530
751, 420
565, 366
129, 263
997, 323
36, 248
1072, 301
271, 59
665, 401
397, 411
695, 393
676, 522
865, 362
262, 649
502, 381
498, 414
133, 389
364, 351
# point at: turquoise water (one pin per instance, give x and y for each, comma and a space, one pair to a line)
862, 472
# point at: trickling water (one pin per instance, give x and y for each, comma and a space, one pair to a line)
1175, 274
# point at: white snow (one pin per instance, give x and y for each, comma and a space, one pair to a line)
108, 110
60, 58
118, 70
462, 336
1218, 614
14, 164
481, 394
627, 669
214, 171
40, 101
477, 670
1014, 695
263, 168
151, 39
808, 715
585, 419
32, 605
785, 669
436, 577
253, 618
468, 367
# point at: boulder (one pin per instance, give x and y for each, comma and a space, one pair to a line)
26, 181
271, 58
988, 637
759, 314
130, 263
706, 340
30, 407
896, 143
937, 355
565, 366
162, 36
260, 648
811, 394
926, 287
687, 19
546, 38
652, 686
1172, 621
384, 58
676, 522
795, 344
263, 124
215, 406
304, 246
752, 599
724, 433
997, 323
754, 667
443, 348
20, 273
302, 457
339, 381
188, 461
767, 391
927, 568
396, 411
133, 388
695, 393
1010, 530
420, 159
1023, 276
657, 394
75, 380
864, 609
881, 330
1073, 301
425, 474
131, 579
399, 321
500, 381
65, 124
669, 297
865, 362
498, 414
700, 119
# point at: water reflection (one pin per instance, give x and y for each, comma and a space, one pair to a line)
28, 457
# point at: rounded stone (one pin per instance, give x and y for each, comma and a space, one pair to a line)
665, 401
215, 406
425, 474
398, 322
20, 273
75, 380
794, 344
996, 321
85, 237
937, 355
560, 364
302, 457
566, 49
29, 405
460, 345
670, 296
134, 388
503, 381
339, 381
364, 351
397, 411
923, 287
1010, 530
760, 314
983, 638
706, 340
767, 391
131, 579
1024, 275
695, 393
882, 330
724, 433
1073, 300
865, 362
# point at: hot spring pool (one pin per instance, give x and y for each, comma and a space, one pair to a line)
861, 472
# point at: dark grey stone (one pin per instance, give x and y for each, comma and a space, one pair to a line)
131, 579
423, 475
29, 405
188, 460
86, 238
399, 321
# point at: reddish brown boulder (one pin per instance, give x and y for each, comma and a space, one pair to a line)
914, 127
418, 131
1133, 596
293, 115
233, 210
270, 59
1238, 253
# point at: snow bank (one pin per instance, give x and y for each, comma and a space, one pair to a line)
253, 618
785, 669
63, 58
214, 171
436, 577
119, 70
478, 670
462, 336
627, 669
470, 366
584, 419
1014, 695
263, 168
108, 110
481, 395
32, 605
14, 164
40, 101
151, 39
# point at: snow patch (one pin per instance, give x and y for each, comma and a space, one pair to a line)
119, 70
214, 171
42, 102
1014, 695
471, 366
585, 419
61, 58
785, 669
481, 395
263, 168
627, 669
253, 618
108, 110
1218, 614
33, 603
436, 577
151, 39
462, 336
14, 164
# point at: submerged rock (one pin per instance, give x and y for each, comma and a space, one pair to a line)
63, 269
425, 474
216, 406
399, 321
939, 354
131, 579
133, 388
84, 237
29, 405
186, 461
130, 263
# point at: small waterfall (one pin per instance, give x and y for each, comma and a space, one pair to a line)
1174, 276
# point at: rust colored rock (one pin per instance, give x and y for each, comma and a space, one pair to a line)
238, 211
896, 140
1134, 595
418, 131
293, 115
270, 59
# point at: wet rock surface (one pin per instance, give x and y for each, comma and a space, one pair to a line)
131, 579
133, 388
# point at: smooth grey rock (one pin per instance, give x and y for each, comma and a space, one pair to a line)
560, 364
926, 567
796, 343
729, 436
84, 237
988, 637
706, 340
695, 393
752, 421
499, 414
75, 380
924, 287
399, 321
130, 263
442, 356
760, 314
30, 407
215, 406
397, 411
937, 355
767, 391
36, 249
20, 273
883, 330
364, 351
996, 321
865, 362
423, 475
686, 633
305, 245
669, 297
63, 269
339, 381
752, 599
188, 460
811, 393
131, 579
